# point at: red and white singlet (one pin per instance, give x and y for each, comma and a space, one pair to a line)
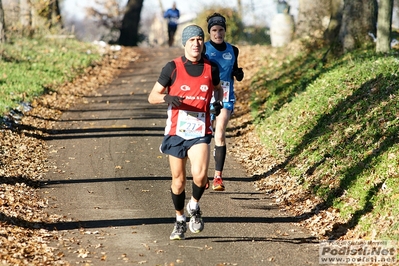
192, 118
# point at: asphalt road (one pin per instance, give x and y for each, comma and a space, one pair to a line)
111, 184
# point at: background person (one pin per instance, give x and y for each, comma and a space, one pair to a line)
187, 84
172, 15
225, 56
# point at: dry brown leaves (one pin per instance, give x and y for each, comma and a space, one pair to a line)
23, 162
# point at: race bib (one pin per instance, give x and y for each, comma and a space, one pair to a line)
190, 125
174, 20
226, 91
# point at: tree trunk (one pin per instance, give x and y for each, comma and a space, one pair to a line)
334, 24
161, 7
313, 18
239, 8
395, 14
384, 26
2, 24
358, 20
130, 24
54, 16
25, 17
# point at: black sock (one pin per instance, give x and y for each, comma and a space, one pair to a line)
178, 200
197, 191
220, 157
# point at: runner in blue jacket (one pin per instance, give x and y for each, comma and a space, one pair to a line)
172, 15
225, 56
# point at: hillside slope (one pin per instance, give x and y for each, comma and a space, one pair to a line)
322, 138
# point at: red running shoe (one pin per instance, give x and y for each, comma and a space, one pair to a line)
218, 184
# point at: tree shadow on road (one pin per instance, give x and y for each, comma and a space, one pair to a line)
71, 225
294, 240
49, 183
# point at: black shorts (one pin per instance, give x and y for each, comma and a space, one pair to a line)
172, 30
178, 147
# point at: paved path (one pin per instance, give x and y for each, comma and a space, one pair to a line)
112, 183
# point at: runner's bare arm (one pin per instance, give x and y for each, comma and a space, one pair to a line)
218, 92
157, 94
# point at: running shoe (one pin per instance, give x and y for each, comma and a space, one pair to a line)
196, 223
217, 184
178, 231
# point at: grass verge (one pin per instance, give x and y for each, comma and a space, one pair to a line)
335, 128
29, 68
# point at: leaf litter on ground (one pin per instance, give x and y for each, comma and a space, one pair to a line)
23, 161
23, 165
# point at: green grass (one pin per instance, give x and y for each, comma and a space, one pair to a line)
31, 67
337, 125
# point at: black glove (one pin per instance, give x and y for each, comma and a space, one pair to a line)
238, 73
175, 101
217, 106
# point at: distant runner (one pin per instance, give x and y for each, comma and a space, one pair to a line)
172, 15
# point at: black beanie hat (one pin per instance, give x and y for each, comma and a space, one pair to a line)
217, 20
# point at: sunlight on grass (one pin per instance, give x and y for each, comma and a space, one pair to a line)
338, 125
29, 68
